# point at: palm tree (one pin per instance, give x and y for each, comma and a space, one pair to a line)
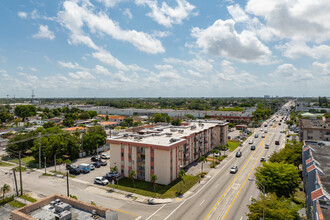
153, 180
132, 175
182, 173
4, 189
203, 160
115, 170
214, 151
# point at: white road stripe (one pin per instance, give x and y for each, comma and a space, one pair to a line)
175, 210
138, 218
155, 212
202, 202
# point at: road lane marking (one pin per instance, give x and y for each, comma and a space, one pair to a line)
127, 212
175, 209
155, 212
202, 202
235, 178
138, 218
250, 198
241, 218
243, 184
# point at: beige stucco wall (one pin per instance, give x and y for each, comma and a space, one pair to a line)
162, 166
115, 156
147, 165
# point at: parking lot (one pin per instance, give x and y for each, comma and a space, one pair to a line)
89, 177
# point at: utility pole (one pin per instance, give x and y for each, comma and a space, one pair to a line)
45, 164
67, 184
15, 181
20, 171
55, 161
39, 150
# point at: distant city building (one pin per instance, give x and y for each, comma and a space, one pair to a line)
62, 207
164, 149
266, 96
314, 129
316, 178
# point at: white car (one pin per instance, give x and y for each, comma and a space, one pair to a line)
250, 141
92, 166
105, 156
263, 136
217, 154
233, 169
101, 180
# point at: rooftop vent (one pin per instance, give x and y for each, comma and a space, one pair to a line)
168, 134
173, 129
172, 140
160, 129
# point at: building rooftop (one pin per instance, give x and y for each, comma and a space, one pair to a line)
166, 135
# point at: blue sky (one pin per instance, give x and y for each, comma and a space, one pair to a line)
178, 48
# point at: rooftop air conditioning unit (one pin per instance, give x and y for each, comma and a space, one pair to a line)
172, 140
168, 134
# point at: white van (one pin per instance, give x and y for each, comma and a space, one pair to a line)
84, 168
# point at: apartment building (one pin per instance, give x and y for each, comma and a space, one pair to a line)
316, 178
164, 150
314, 129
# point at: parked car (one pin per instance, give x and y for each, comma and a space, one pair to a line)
262, 159
251, 141
84, 168
105, 156
92, 166
95, 159
217, 154
265, 131
74, 171
238, 154
96, 164
263, 136
109, 178
277, 142
111, 174
267, 146
103, 163
70, 166
256, 136
101, 180
233, 169
253, 147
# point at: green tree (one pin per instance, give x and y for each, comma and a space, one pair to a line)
176, 122
128, 122
6, 117
23, 142
115, 170
49, 124
280, 178
84, 116
291, 154
92, 114
68, 122
94, 137
190, 116
161, 117
25, 111
5, 189
182, 174
153, 181
275, 208
132, 176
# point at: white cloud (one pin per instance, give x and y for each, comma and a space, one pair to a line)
44, 33
128, 13
4, 74
167, 72
239, 78
199, 64
70, 65
107, 58
82, 75
166, 15
33, 69
296, 49
237, 13
121, 77
289, 73
110, 3
323, 68
22, 14
28, 76
194, 73
20, 68
160, 34
221, 39
101, 70
297, 20
75, 16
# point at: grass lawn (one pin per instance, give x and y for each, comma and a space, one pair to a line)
163, 191
28, 198
16, 204
27, 161
60, 173
4, 164
232, 145
23, 169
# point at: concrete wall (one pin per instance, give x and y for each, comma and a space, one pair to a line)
162, 166
115, 155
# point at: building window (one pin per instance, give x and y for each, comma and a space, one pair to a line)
309, 131
130, 147
152, 168
122, 146
152, 150
152, 159
122, 171
122, 154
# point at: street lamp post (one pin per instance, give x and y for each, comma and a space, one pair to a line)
263, 196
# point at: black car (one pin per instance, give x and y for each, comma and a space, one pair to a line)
253, 147
95, 159
96, 164
103, 163
74, 171
109, 178
238, 154
70, 166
